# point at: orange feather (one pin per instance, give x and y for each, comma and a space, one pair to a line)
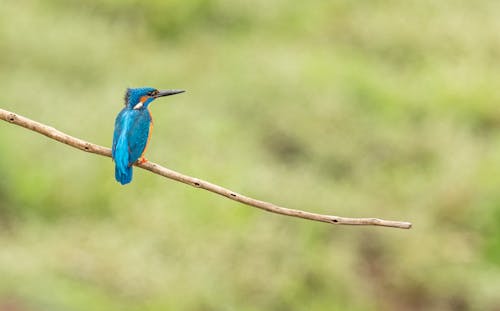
149, 134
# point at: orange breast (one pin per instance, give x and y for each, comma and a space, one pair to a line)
149, 134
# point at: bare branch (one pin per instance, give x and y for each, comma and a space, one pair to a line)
195, 182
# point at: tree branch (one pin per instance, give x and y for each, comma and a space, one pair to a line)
195, 182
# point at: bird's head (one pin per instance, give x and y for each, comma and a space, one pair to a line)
140, 98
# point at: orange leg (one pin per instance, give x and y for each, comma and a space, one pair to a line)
142, 160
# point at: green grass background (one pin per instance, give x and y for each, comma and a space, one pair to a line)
353, 108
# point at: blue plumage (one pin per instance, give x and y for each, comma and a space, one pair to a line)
133, 130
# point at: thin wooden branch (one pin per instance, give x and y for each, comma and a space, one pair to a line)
195, 182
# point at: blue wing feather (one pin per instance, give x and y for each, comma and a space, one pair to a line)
138, 134
118, 129
129, 141
123, 172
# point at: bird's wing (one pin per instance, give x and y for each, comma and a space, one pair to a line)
119, 123
120, 150
138, 134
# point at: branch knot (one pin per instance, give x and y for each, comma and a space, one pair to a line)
12, 117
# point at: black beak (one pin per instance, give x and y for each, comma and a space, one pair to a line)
168, 93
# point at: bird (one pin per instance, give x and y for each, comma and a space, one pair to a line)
133, 126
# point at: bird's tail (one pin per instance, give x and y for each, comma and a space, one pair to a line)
123, 175
123, 171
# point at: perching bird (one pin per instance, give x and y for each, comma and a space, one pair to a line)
133, 127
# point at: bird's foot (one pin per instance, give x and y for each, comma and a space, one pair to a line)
142, 160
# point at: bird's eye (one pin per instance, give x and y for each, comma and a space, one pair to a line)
153, 93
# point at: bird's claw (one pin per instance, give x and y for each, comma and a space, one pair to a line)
142, 160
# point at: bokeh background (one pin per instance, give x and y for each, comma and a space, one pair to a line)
355, 108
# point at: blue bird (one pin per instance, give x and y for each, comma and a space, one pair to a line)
133, 128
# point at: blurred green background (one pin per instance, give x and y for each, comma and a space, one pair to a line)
354, 108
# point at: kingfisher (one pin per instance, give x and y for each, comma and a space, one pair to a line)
133, 127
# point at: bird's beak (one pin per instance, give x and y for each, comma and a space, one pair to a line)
168, 93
